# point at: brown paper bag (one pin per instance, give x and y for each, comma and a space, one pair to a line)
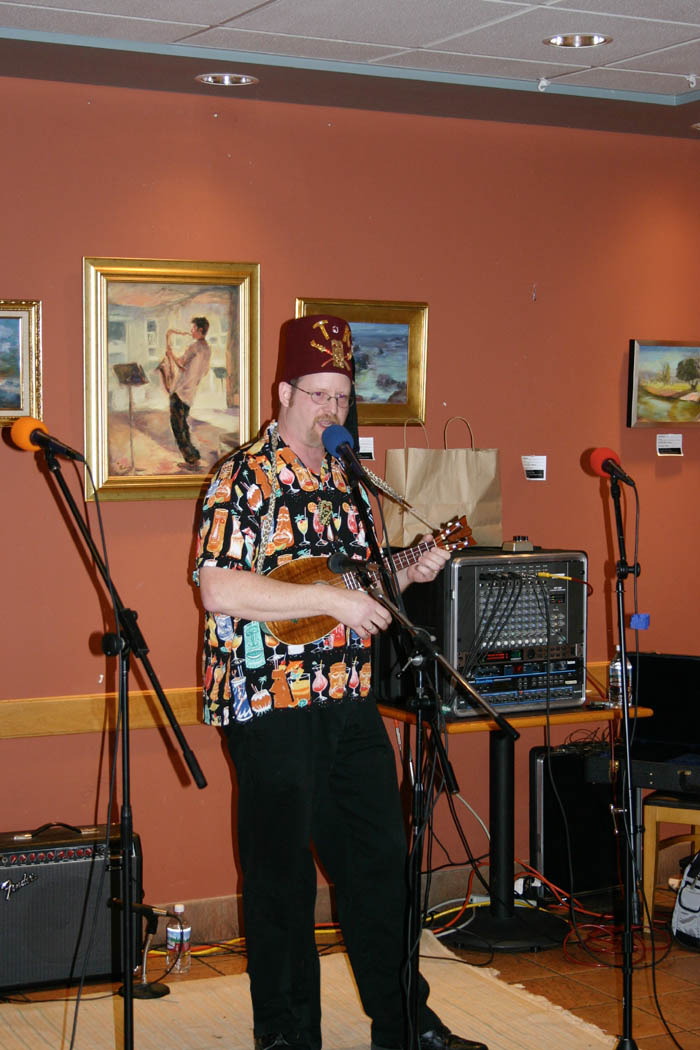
442, 484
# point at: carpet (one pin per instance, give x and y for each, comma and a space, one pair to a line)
214, 1014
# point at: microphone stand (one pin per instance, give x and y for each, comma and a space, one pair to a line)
623, 570
425, 648
425, 706
127, 639
145, 989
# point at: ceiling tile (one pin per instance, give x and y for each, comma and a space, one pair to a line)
475, 66
658, 10
277, 44
618, 79
408, 24
683, 59
522, 36
92, 25
207, 12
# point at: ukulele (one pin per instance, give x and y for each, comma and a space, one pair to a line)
456, 535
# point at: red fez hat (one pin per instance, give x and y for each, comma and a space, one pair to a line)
316, 343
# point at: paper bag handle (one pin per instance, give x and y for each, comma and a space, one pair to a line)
420, 423
450, 420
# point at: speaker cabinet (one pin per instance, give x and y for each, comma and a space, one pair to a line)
589, 818
56, 885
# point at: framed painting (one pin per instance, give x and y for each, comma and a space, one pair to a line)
171, 372
663, 383
390, 345
20, 360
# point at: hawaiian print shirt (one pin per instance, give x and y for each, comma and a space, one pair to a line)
247, 670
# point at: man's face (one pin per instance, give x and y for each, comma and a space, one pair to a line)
196, 332
303, 419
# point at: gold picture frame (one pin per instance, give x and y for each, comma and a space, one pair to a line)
20, 360
390, 391
134, 309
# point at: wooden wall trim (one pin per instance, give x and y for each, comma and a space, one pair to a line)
95, 712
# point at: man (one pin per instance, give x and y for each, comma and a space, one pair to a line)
312, 756
188, 372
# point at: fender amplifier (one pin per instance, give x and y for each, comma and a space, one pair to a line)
56, 884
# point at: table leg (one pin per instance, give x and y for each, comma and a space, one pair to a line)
502, 926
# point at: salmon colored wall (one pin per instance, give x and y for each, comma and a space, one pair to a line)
540, 251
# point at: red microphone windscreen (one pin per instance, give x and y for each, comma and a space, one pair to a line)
22, 430
598, 457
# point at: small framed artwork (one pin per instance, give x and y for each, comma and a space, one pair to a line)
171, 372
664, 382
390, 345
20, 360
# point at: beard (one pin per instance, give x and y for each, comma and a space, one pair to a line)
315, 433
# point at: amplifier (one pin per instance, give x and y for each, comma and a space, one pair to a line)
676, 775
56, 884
558, 781
514, 624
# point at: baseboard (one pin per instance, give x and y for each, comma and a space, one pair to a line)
217, 919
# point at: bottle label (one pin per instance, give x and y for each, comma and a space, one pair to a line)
176, 936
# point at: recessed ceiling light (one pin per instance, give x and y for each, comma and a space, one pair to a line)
577, 40
227, 79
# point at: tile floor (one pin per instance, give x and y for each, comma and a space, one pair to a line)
592, 989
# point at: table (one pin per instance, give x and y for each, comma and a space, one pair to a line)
534, 928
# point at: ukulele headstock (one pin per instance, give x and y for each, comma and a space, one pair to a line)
456, 535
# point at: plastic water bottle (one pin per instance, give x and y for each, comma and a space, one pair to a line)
615, 679
177, 942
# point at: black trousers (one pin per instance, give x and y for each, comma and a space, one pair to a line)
326, 775
179, 412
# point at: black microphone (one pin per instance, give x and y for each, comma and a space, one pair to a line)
32, 435
338, 441
605, 461
340, 564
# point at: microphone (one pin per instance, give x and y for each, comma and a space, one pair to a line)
605, 461
32, 435
144, 909
339, 564
338, 441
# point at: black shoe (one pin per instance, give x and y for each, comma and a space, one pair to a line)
278, 1041
442, 1039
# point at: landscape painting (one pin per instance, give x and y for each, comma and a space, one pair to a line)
171, 360
663, 383
381, 363
10, 364
390, 350
20, 359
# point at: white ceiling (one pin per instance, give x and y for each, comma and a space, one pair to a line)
389, 49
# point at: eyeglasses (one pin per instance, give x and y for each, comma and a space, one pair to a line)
320, 397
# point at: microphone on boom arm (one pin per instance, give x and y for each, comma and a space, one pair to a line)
606, 463
340, 564
32, 435
338, 442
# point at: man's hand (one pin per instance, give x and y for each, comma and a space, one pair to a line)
359, 611
429, 565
